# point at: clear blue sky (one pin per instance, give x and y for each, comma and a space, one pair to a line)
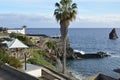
39, 13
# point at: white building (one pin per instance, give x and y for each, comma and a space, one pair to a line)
22, 31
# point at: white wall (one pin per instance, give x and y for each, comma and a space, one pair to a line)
17, 31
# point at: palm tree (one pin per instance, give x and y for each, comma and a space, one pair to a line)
24, 26
64, 13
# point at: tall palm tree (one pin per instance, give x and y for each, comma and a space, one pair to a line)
65, 12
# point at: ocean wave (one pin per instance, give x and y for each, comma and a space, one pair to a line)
78, 75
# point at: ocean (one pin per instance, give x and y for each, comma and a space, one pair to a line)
90, 40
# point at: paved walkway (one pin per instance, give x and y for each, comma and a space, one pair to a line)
4, 75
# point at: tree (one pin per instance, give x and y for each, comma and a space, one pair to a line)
24, 29
64, 13
24, 26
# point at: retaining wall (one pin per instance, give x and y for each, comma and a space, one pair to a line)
20, 74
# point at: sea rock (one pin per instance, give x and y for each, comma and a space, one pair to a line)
70, 53
113, 34
91, 55
117, 70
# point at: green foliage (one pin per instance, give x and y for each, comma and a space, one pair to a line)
51, 45
5, 58
65, 10
21, 37
18, 36
38, 58
5, 39
1, 63
13, 35
12, 61
4, 34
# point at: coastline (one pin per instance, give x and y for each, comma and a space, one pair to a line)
95, 43
77, 74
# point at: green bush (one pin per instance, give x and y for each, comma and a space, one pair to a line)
1, 63
21, 37
12, 61
49, 44
38, 58
13, 35
18, 36
5, 58
32, 61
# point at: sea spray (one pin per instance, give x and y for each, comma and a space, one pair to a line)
76, 74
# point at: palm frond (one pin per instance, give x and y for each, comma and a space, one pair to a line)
74, 6
57, 5
65, 10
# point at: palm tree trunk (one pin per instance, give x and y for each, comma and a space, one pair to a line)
64, 56
64, 31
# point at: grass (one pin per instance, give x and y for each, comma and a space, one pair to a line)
38, 58
4, 34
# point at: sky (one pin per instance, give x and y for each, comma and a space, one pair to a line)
39, 14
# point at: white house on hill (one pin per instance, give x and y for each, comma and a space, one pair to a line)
22, 31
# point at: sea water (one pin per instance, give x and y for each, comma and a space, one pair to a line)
90, 40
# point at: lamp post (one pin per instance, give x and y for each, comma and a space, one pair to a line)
25, 62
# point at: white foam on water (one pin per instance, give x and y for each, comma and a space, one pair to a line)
113, 55
82, 52
108, 53
77, 75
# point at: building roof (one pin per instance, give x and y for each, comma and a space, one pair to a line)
16, 44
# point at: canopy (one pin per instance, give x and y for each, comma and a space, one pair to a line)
16, 44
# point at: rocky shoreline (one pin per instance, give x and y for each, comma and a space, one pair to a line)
71, 53
53, 50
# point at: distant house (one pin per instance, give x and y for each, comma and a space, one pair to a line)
21, 31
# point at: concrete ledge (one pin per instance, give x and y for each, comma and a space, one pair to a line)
54, 72
20, 74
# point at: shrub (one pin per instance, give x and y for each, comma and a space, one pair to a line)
38, 58
13, 35
21, 37
3, 56
12, 61
1, 62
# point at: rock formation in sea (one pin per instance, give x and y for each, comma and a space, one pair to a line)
113, 34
